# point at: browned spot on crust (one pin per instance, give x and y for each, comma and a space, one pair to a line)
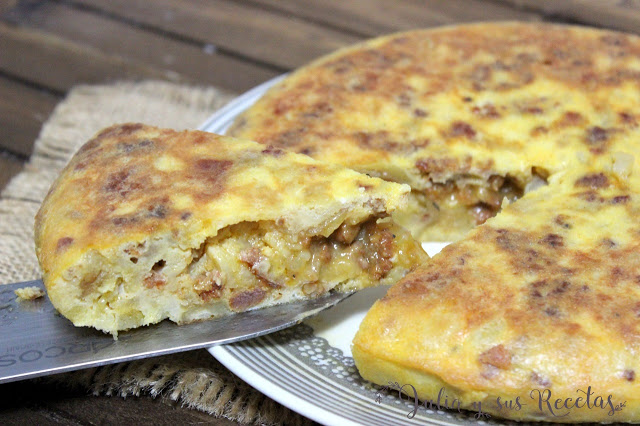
440, 165
561, 287
271, 150
528, 258
539, 130
563, 221
199, 138
539, 380
571, 118
486, 111
590, 196
596, 139
122, 183
158, 211
384, 141
614, 39
367, 139
247, 299
64, 243
545, 288
553, 240
621, 199
481, 73
89, 146
461, 128
286, 139
629, 375
124, 220
498, 356
80, 165
593, 181
131, 147
213, 166
283, 105
628, 119
552, 311
210, 175
414, 284
532, 110
318, 110
508, 240
120, 130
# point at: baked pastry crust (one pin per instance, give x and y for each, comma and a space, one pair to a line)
147, 223
541, 303
466, 115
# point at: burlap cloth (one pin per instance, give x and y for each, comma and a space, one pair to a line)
194, 379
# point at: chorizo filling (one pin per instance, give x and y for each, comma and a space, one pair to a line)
248, 263
481, 200
445, 211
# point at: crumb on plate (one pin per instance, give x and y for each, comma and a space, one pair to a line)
29, 293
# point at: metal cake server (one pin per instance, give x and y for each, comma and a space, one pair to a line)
35, 340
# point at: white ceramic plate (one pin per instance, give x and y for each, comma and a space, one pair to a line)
308, 367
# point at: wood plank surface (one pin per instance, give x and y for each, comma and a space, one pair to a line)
249, 31
23, 110
50, 61
375, 17
621, 15
10, 165
174, 59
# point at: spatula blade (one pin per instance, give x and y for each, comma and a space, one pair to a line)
36, 341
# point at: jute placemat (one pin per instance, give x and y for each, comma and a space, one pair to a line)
195, 379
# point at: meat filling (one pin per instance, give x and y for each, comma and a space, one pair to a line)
482, 199
248, 256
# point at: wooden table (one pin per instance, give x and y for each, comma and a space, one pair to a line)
48, 46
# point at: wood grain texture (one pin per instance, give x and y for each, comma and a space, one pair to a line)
251, 32
623, 15
175, 59
59, 64
23, 110
10, 166
7, 4
376, 17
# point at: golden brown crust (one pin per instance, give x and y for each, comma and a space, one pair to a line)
465, 61
545, 295
428, 106
146, 223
